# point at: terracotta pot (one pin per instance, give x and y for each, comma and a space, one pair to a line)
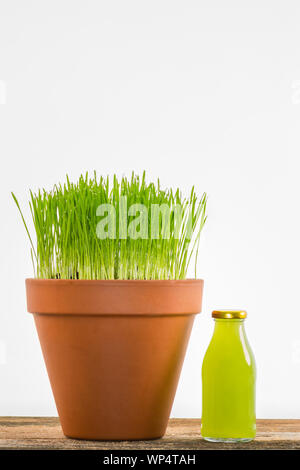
114, 351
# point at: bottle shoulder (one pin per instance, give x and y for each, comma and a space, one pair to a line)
222, 351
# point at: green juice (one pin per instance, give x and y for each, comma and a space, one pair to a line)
228, 384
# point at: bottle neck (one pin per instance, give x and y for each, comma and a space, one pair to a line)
230, 328
230, 336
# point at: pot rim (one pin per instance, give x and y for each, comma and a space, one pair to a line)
114, 297
117, 282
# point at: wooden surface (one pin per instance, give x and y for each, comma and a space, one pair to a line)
46, 433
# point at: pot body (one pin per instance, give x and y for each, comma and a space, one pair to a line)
114, 351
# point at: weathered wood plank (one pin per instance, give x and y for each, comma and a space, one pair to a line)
182, 434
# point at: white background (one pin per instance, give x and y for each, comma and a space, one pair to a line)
195, 92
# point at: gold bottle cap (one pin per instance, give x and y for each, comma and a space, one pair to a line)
227, 314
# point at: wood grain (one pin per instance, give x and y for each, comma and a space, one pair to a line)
182, 434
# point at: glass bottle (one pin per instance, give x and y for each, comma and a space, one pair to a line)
228, 381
